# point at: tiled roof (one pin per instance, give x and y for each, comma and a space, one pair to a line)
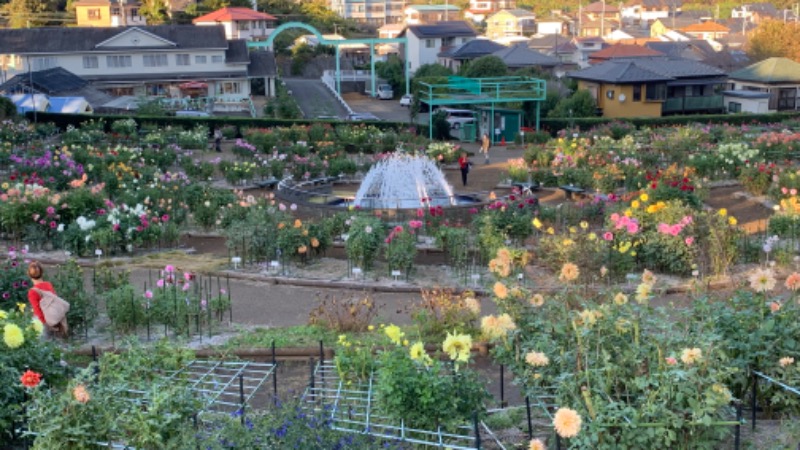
85, 39
262, 64
770, 70
442, 29
624, 51
472, 49
229, 14
706, 27
521, 55
618, 72
600, 8
428, 8
647, 69
517, 12
237, 52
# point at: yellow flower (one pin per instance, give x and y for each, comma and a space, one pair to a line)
573, 230
622, 325
732, 221
497, 327
537, 300
762, 280
567, 422
4, 185
394, 333
12, 335
3, 314
551, 230
37, 326
624, 247
592, 236
652, 209
584, 224
690, 356
417, 351
644, 197
405, 342
536, 444
569, 272
537, 359
371, 327
80, 394
589, 317
297, 223
567, 242
723, 212
457, 346
635, 204
648, 277
500, 290
21, 307
536, 222
620, 299
628, 213
473, 305
643, 293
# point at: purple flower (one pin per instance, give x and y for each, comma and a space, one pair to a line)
6, 295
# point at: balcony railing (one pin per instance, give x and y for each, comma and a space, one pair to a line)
692, 104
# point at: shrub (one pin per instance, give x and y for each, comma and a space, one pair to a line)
443, 310
344, 314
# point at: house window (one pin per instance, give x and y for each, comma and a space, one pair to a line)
182, 59
429, 43
134, 12
217, 59
200, 59
637, 92
787, 99
47, 62
243, 26
154, 60
229, 87
114, 11
655, 91
93, 14
734, 107
90, 62
116, 61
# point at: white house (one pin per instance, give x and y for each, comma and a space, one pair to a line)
240, 23
148, 60
648, 11
425, 42
777, 78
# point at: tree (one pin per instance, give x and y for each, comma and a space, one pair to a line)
25, 13
580, 104
392, 71
155, 11
7, 108
775, 38
485, 67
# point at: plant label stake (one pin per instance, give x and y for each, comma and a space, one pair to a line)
236, 260
396, 274
475, 278
356, 272
274, 265
98, 253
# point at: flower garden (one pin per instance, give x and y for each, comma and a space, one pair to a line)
575, 299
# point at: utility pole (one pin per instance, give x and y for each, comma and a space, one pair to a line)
603, 20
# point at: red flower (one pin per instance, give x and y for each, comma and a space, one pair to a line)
30, 379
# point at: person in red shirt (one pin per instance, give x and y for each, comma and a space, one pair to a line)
463, 164
36, 273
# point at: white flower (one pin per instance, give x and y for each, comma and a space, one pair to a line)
60, 228
368, 229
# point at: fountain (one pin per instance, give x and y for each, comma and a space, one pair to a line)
403, 181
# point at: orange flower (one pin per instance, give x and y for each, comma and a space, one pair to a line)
536, 444
567, 422
30, 379
569, 272
80, 394
793, 282
297, 223
314, 242
500, 290
281, 225
302, 249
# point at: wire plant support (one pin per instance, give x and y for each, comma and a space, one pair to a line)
350, 406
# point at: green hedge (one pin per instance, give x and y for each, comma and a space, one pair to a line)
554, 125
63, 120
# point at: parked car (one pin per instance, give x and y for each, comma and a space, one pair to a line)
385, 92
362, 116
406, 100
458, 117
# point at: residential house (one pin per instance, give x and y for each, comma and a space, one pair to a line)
510, 22
701, 51
147, 60
431, 14
479, 10
108, 13
652, 87
678, 21
391, 30
645, 12
240, 23
597, 19
618, 51
372, 12
425, 42
778, 77
521, 56
560, 47
556, 23
709, 30
585, 46
455, 57
758, 12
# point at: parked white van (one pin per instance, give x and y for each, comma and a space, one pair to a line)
458, 117
384, 92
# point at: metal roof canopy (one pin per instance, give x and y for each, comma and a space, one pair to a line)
372, 42
473, 91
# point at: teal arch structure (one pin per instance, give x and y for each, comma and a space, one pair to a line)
336, 43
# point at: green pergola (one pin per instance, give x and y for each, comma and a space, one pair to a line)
372, 42
476, 91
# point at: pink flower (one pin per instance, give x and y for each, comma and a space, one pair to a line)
115, 227
186, 287
671, 361
398, 229
689, 240
663, 228
615, 217
675, 229
793, 191
282, 207
139, 229
420, 212
169, 269
50, 210
187, 276
165, 218
633, 227
388, 240
160, 282
53, 224
784, 190
774, 307
148, 294
608, 236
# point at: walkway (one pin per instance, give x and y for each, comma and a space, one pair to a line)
314, 99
